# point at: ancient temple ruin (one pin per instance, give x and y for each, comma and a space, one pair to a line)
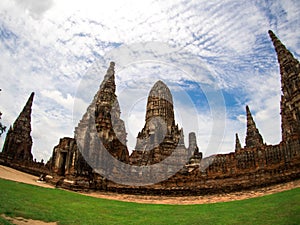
65, 155
109, 126
290, 83
238, 145
101, 132
253, 137
255, 164
18, 141
160, 135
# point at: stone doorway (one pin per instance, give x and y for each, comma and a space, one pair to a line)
62, 165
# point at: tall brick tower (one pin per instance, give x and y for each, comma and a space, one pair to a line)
160, 136
290, 83
101, 128
18, 141
99, 134
110, 128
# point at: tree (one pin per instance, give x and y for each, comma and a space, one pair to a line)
2, 127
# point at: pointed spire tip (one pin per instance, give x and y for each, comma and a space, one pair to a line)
112, 64
30, 99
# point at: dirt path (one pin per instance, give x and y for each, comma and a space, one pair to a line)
11, 174
188, 200
22, 221
15, 175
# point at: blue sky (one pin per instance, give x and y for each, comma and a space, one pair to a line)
215, 56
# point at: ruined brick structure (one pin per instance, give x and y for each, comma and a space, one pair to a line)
290, 83
101, 131
160, 136
238, 145
253, 137
193, 147
255, 164
16, 152
66, 157
18, 141
109, 126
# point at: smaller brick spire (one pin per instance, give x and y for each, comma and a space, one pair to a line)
18, 141
193, 143
253, 137
24, 118
237, 142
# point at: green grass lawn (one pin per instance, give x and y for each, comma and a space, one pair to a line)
17, 199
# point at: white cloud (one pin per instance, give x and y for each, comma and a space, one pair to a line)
58, 97
265, 105
35, 8
49, 46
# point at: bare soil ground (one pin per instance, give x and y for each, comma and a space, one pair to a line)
15, 175
188, 200
22, 221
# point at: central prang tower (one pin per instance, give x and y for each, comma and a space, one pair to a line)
160, 136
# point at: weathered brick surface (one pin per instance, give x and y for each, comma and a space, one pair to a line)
160, 135
253, 137
290, 86
99, 130
18, 141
